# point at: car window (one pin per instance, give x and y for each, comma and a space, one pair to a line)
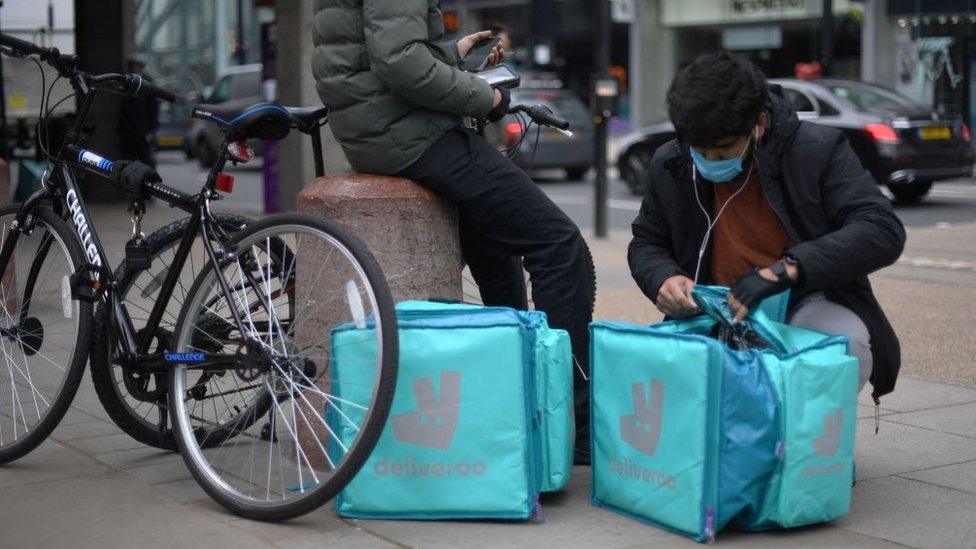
221, 91
799, 100
827, 110
245, 84
872, 98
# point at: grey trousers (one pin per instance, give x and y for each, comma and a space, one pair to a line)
816, 312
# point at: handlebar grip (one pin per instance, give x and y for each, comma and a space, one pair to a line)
21, 46
140, 87
544, 116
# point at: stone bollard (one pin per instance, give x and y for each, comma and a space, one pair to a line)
412, 233
410, 230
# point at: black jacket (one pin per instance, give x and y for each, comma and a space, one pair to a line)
830, 206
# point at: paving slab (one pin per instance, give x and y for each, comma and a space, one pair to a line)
105, 443
88, 429
913, 513
48, 462
183, 491
569, 521
159, 473
958, 420
913, 394
108, 511
899, 448
137, 457
824, 535
320, 528
961, 476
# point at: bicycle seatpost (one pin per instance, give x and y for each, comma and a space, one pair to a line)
316, 135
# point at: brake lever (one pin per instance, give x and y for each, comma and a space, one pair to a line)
567, 133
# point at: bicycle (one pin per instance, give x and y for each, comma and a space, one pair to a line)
253, 332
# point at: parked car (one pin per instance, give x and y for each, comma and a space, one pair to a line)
172, 132
239, 87
555, 149
904, 145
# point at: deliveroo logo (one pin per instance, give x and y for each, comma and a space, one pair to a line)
435, 421
828, 444
642, 429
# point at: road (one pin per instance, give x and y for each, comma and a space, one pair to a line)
950, 202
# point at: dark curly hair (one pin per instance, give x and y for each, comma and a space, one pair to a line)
716, 96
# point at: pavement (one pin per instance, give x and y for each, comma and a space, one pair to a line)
92, 486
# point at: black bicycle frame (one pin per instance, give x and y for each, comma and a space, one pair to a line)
61, 188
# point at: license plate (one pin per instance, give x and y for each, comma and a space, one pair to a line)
170, 140
935, 132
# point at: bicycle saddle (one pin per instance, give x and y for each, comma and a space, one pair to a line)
262, 121
308, 117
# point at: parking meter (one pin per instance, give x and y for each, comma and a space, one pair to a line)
605, 96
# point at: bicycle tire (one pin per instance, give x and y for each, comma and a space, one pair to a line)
359, 451
103, 371
75, 370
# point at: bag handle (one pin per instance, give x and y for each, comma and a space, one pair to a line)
712, 302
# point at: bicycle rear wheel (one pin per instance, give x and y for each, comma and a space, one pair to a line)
44, 333
293, 279
136, 402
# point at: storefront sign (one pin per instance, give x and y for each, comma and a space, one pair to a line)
681, 13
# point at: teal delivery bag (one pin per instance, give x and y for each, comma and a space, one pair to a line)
697, 423
481, 419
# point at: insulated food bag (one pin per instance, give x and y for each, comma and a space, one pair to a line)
699, 423
481, 420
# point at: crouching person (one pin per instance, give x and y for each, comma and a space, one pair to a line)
750, 197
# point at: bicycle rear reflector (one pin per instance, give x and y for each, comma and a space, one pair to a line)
225, 182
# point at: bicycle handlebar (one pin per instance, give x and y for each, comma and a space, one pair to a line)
540, 114
131, 85
23, 47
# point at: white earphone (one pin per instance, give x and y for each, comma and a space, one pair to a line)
708, 218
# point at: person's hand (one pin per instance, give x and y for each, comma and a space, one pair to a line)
496, 97
465, 44
674, 297
751, 288
501, 102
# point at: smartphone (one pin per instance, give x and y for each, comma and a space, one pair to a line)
500, 76
478, 55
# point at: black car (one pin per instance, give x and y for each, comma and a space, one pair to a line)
904, 145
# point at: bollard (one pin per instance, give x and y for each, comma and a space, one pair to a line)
410, 230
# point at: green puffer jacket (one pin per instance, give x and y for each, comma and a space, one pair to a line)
391, 81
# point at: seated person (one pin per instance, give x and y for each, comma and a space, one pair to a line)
397, 98
750, 197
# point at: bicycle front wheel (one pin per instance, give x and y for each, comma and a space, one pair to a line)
280, 433
44, 333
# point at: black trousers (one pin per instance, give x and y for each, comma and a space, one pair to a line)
504, 215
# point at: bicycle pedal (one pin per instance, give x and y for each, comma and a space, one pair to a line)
138, 254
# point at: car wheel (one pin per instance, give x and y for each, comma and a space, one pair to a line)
204, 153
573, 174
634, 169
910, 193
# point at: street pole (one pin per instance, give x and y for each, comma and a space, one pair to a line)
3, 108
827, 38
602, 114
241, 52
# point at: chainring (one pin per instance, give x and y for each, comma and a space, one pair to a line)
137, 383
